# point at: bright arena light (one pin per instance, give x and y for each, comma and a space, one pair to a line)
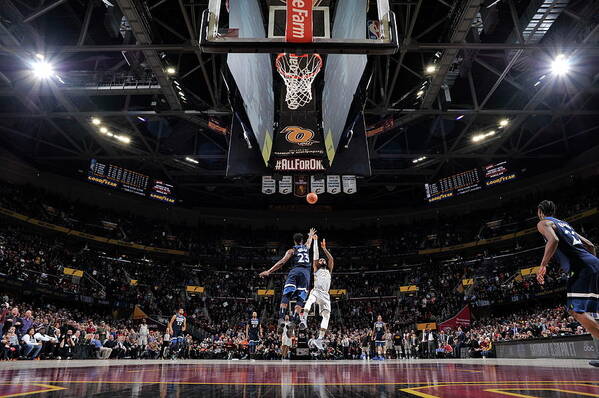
123, 138
103, 130
171, 70
42, 69
503, 122
431, 69
560, 65
96, 121
191, 160
482, 136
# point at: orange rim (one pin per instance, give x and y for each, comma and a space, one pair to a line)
285, 74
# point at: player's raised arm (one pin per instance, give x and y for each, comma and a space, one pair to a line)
278, 264
545, 227
315, 255
311, 236
330, 259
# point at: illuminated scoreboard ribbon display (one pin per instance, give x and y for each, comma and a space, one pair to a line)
130, 181
469, 181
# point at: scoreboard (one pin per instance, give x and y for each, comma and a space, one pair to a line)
469, 181
112, 176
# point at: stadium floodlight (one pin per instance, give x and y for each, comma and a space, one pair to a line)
430, 69
96, 121
418, 160
504, 123
420, 93
171, 70
103, 130
42, 69
560, 65
483, 136
191, 160
123, 138
478, 137
459, 117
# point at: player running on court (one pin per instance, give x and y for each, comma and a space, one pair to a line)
379, 330
298, 279
577, 257
320, 292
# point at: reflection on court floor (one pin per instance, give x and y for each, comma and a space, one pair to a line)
463, 379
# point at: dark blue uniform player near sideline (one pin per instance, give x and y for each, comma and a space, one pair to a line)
253, 331
298, 280
176, 328
577, 257
379, 338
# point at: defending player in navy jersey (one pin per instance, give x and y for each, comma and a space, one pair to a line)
298, 279
577, 257
253, 331
379, 330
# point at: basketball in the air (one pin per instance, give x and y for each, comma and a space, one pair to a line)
312, 198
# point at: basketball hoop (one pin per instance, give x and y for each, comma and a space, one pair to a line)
298, 72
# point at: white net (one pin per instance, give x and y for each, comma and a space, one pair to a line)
298, 72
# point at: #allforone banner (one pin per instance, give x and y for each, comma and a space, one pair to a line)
349, 184
285, 185
318, 186
269, 185
333, 184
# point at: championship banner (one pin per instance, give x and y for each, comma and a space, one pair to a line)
317, 185
349, 184
299, 21
285, 185
300, 185
269, 185
467, 282
461, 319
333, 184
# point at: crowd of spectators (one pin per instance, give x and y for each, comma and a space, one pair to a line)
116, 277
45, 331
254, 245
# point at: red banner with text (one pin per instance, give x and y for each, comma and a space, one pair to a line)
299, 21
461, 319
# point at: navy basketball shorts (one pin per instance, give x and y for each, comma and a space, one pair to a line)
298, 281
583, 289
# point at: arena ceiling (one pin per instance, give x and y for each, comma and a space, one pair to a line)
492, 61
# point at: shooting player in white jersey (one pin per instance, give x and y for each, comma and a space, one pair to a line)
320, 292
